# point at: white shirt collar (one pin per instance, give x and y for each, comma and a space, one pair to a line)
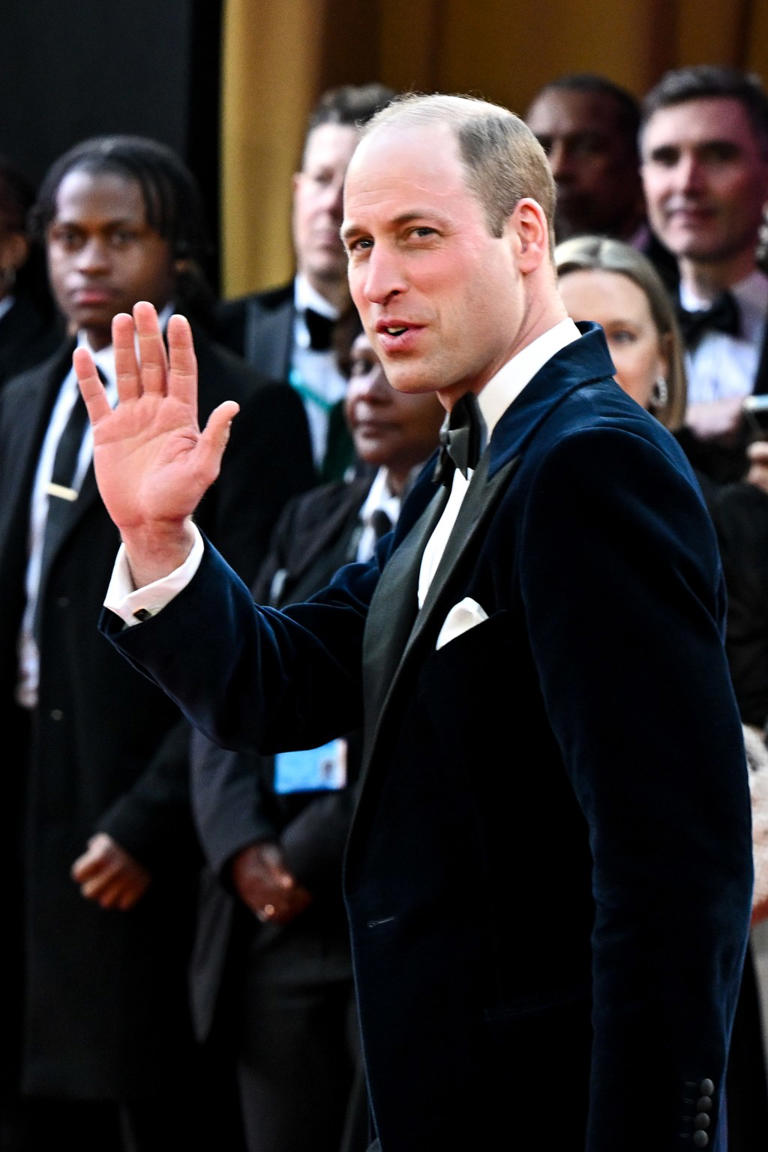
752, 291
510, 380
380, 495
305, 296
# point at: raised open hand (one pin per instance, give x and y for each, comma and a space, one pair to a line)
152, 462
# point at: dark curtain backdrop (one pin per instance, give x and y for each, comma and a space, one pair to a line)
76, 68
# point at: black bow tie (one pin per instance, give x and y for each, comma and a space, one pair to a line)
461, 439
320, 330
722, 316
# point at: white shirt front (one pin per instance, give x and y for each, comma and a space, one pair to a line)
29, 660
500, 391
722, 365
315, 375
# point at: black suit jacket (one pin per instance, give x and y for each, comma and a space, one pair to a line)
259, 327
104, 993
28, 335
548, 894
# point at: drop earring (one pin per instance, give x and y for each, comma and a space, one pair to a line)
660, 392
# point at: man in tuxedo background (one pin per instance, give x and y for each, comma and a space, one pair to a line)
295, 332
704, 147
587, 125
548, 894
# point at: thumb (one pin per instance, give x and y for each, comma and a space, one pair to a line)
215, 435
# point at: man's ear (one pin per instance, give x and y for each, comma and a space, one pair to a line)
528, 226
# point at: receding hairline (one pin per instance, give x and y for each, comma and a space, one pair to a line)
502, 160
438, 107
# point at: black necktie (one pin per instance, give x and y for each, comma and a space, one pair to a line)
461, 438
722, 316
67, 451
320, 330
61, 494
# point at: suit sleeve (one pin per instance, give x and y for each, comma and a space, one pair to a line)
624, 596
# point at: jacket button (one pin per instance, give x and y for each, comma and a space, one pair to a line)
62, 601
706, 1087
702, 1120
700, 1139
704, 1104
56, 714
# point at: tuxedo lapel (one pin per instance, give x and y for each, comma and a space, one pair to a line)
394, 607
28, 411
477, 507
268, 338
395, 625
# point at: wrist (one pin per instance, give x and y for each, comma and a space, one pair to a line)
154, 551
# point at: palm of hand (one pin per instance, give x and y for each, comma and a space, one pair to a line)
149, 460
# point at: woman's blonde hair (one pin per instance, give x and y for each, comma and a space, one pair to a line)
582, 253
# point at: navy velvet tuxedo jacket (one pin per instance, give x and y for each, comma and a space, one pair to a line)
548, 875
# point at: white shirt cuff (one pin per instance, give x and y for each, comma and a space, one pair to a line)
133, 605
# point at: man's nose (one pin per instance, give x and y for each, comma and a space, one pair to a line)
371, 385
687, 174
93, 255
384, 277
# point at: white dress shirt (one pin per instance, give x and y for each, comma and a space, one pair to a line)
500, 391
315, 375
722, 365
380, 498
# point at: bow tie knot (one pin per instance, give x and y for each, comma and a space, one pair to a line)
461, 439
320, 329
722, 316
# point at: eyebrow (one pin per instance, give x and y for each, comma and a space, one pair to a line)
431, 213
722, 142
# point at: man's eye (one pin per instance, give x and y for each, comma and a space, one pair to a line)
719, 153
587, 145
360, 244
66, 237
665, 157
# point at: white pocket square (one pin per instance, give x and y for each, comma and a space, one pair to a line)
463, 616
